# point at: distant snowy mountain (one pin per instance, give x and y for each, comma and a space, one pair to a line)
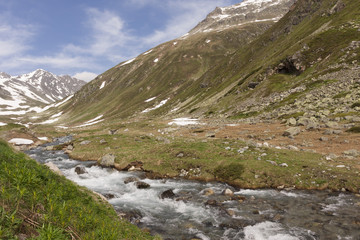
29, 92
248, 11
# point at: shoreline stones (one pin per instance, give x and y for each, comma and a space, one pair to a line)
107, 160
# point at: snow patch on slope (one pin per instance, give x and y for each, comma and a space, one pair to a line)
163, 102
21, 141
102, 85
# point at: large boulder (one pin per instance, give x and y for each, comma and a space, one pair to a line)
291, 132
107, 160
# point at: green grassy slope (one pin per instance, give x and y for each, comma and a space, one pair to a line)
38, 204
174, 76
203, 79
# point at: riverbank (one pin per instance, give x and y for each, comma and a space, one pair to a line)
184, 209
243, 155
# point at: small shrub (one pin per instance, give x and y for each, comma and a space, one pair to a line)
357, 104
230, 172
355, 129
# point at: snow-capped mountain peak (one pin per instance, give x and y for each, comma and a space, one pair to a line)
37, 88
248, 11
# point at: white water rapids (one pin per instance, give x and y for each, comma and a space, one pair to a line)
262, 214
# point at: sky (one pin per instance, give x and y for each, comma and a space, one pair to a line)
84, 38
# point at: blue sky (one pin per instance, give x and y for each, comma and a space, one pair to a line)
87, 37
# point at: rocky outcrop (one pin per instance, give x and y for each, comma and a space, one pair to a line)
243, 13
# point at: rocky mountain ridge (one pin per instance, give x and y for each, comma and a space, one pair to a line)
30, 92
248, 11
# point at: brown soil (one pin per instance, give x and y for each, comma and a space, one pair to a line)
272, 134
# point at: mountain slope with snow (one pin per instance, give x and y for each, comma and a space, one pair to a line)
172, 72
246, 12
29, 92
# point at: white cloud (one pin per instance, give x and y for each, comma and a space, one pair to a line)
185, 15
109, 40
107, 35
14, 38
86, 76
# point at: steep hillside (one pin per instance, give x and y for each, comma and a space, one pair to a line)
37, 203
170, 74
29, 92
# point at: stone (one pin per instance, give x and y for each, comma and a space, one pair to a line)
331, 124
109, 195
328, 132
293, 131
352, 153
107, 160
210, 134
54, 168
180, 155
228, 192
103, 141
230, 212
324, 139
168, 194
291, 121
49, 148
80, 170
131, 179
212, 202
85, 142
252, 85
337, 132
142, 185
294, 148
70, 147
113, 131
134, 166
284, 165
208, 192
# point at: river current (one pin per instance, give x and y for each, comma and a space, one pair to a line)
191, 214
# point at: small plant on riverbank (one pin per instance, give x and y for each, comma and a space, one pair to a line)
355, 129
230, 172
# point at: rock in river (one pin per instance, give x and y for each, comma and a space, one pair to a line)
167, 194
142, 185
80, 170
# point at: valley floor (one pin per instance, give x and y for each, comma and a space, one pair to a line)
243, 154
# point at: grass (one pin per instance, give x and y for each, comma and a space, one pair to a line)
42, 205
219, 160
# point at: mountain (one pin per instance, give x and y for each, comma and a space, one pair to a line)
30, 92
172, 73
230, 67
